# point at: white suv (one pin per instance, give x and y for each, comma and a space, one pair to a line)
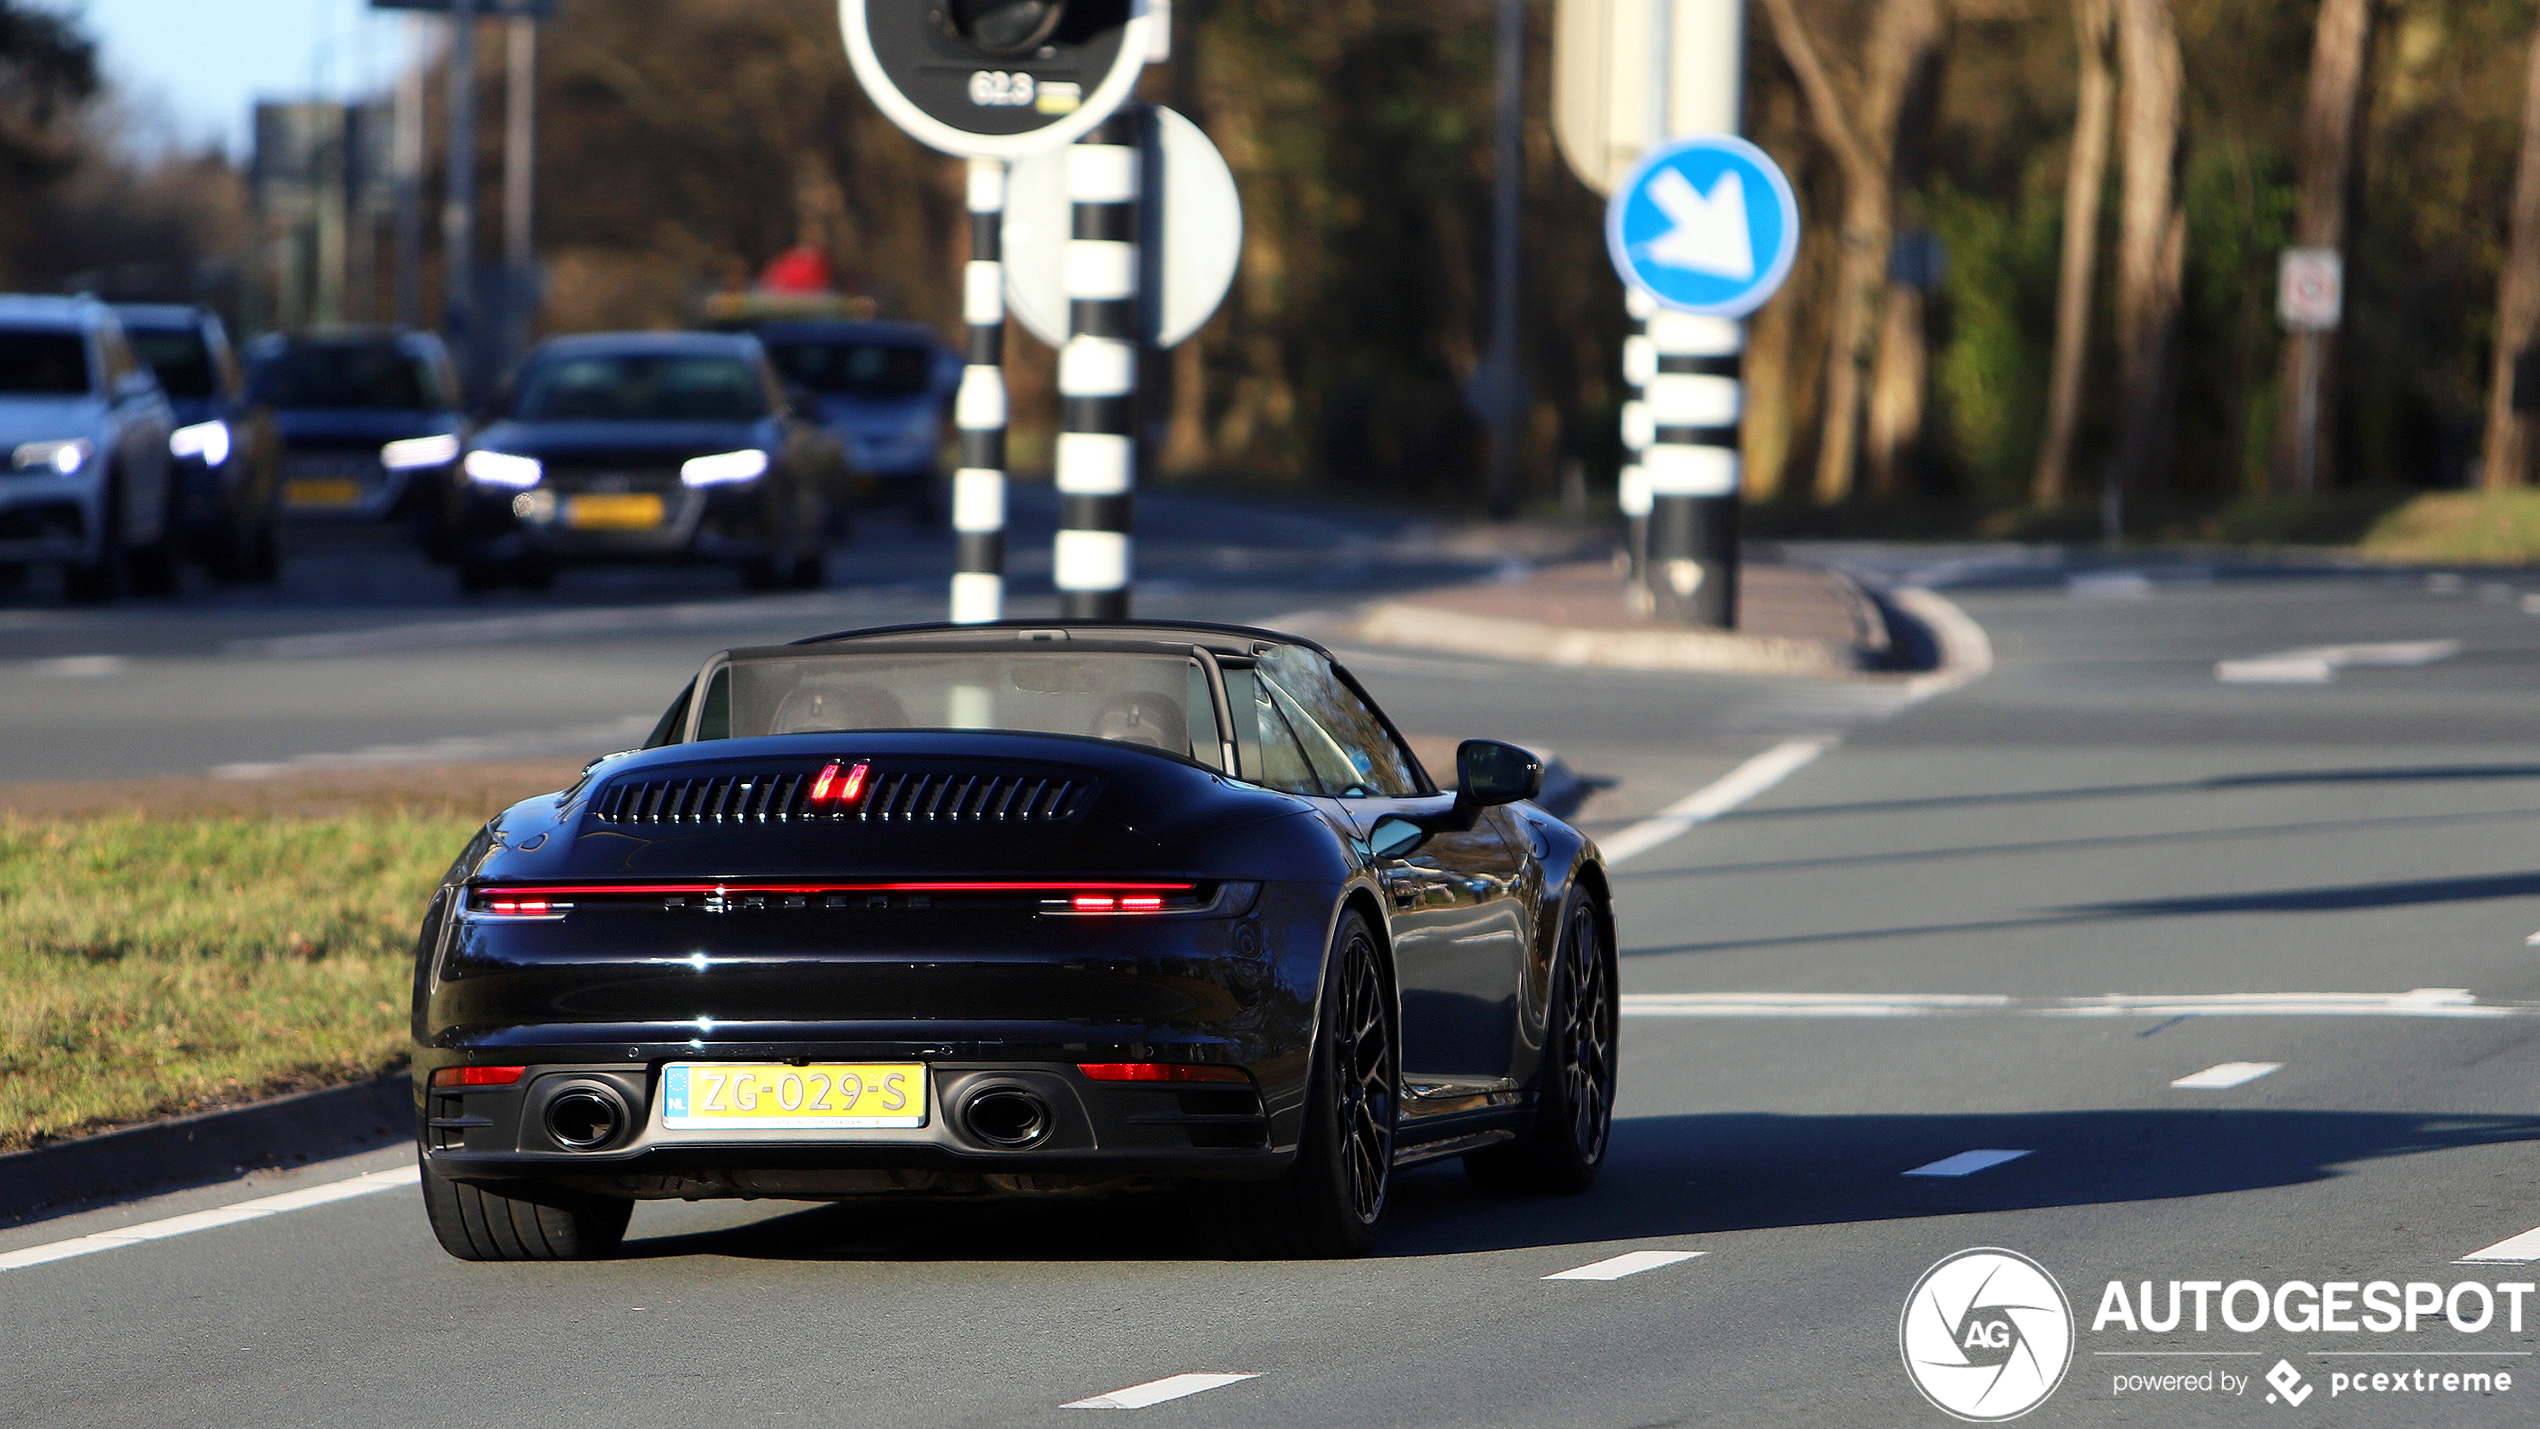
84, 468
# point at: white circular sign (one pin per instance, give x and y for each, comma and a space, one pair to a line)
1200, 232
952, 95
1987, 1335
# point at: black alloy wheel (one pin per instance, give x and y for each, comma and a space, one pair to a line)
1328, 1204
1561, 1151
473, 1223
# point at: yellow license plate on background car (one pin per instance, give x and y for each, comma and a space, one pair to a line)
771, 1096
328, 492
613, 511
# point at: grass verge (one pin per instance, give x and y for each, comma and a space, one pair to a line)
2492, 528
173, 947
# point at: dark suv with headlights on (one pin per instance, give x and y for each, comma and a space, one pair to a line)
632, 447
370, 418
881, 389
228, 454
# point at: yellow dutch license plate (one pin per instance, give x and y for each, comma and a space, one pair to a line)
326, 492
613, 511
770, 1096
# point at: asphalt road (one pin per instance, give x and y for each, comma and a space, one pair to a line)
2007, 919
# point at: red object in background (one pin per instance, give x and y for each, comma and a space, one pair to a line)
798, 270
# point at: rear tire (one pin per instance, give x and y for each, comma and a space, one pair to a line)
473, 1223
1329, 1202
1562, 1149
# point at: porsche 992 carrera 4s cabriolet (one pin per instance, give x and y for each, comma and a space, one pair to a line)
1011, 909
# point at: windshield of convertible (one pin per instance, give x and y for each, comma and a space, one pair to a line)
1298, 726
1158, 700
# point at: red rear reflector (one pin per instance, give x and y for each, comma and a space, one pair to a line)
1160, 1072
1140, 905
1095, 905
833, 787
478, 1076
520, 908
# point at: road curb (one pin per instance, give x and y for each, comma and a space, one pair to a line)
206, 1147
1403, 623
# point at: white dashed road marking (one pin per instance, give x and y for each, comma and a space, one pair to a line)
256, 1210
580, 739
2226, 1074
1156, 1391
2319, 664
2521, 1249
1966, 1163
78, 667
1629, 1263
2416, 1002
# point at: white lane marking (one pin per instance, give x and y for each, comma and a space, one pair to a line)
1966, 1163
206, 1220
580, 739
2531, 605
2520, 1249
2418, 1002
2109, 585
2319, 664
2226, 1075
78, 667
1628, 1263
1716, 798
1156, 1391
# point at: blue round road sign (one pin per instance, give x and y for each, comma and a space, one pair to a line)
1704, 225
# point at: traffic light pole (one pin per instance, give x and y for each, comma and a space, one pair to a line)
979, 409
1098, 374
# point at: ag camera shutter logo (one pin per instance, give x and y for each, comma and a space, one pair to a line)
1987, 1335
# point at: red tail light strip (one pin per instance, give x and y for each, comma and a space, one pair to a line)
1123, 892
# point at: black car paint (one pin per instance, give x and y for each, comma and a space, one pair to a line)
982, 993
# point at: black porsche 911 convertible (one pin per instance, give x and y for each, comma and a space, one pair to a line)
1012, 909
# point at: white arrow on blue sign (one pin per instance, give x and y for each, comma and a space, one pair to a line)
1704, 225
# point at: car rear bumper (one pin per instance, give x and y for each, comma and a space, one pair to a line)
1097, 1134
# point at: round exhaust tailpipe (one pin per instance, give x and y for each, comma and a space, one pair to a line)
586, 1116
1007, 1116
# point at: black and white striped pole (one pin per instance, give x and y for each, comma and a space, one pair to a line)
1694, 401
1098, 375
979, 409
1640, 363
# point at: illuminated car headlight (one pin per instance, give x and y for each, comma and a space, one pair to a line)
723, 467
208, 440
504, 469
429, 451
62, 458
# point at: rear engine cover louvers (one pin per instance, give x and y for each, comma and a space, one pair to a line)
967, 797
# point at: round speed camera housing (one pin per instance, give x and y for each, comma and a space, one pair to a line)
996, 79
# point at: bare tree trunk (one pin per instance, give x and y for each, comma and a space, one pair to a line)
1904, 52
2151, 245
2507, 458
1765, 430
1877, 347
2328, 147
1860, 277
2085, 175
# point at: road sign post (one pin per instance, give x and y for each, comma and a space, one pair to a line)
1703, 230
2310, 297
993, 81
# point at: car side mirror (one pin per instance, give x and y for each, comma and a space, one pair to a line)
1395, 837
1489, 772
134, 384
